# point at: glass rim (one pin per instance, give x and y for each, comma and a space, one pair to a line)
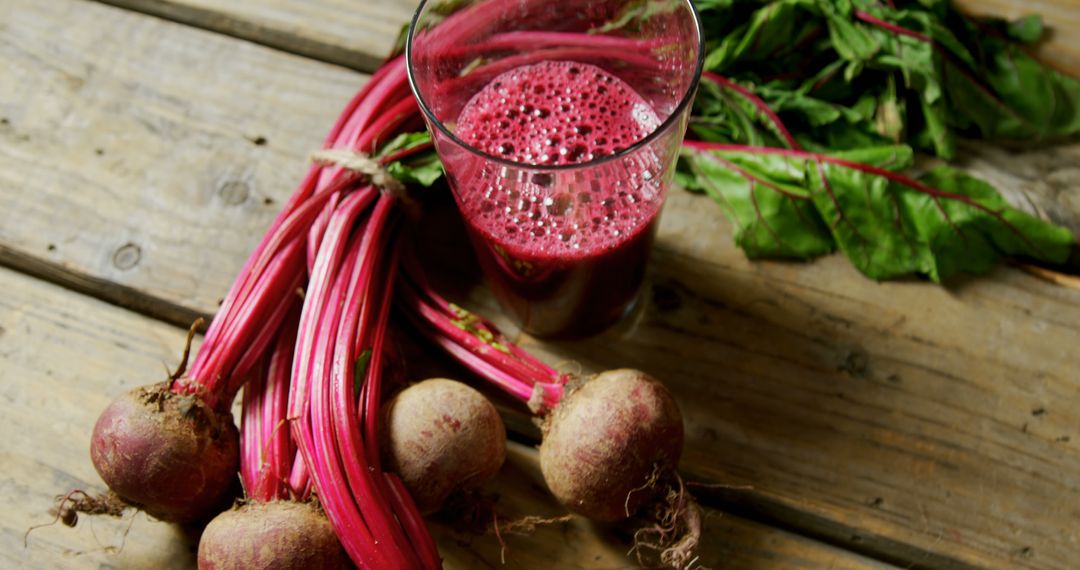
686, 100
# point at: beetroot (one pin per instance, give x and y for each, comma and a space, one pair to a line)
442, 437
169, 455
279, 535
607, 444
611, 443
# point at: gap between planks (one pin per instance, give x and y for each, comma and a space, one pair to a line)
101, 289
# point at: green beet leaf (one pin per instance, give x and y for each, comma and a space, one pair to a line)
777, 29
992, 86
766, 199
722, 114
799, 204
404, 141
766, 196
1010, 95
817, 124
360, 372
423, 168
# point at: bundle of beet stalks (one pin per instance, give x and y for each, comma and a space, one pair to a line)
333, 465
311, 303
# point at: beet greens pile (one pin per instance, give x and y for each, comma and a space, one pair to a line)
810, 109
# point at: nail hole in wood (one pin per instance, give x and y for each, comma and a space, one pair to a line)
234, 192
127, 256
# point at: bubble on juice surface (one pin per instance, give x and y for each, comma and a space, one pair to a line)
558, 113
554, 112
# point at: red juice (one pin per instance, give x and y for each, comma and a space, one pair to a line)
564, 249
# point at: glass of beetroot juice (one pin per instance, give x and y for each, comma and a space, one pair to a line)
558, 123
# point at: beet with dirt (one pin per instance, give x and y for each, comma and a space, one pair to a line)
278, 535
167, 454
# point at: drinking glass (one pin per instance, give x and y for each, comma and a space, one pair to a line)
562, 224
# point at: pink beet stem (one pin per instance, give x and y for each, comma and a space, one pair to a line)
403, 112
340, 318
251, 434
239, 333
413, 522
311, 423
356, 323
757, 102
531, 39
530, 369
266, 454
274, 324
370, 404
514, 371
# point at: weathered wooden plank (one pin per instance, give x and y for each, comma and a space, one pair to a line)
100, 288
63, 356
1061, 48
353, 34
131, 147
360, 34
1041, 181
730, 541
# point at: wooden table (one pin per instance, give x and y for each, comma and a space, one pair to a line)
837, 422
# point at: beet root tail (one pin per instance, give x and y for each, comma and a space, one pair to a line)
675, 531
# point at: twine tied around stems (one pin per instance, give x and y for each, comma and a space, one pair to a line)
363, 164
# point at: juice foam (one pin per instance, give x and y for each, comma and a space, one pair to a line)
563, 248
560, 113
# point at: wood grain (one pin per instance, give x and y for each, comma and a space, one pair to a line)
357, 35
730, 541
1044, 182
172, 171
64, 356
148, 154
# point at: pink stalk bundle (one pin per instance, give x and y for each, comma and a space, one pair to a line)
276, 526
476, 343
267, 450
345, 313
310, 424
334, 404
